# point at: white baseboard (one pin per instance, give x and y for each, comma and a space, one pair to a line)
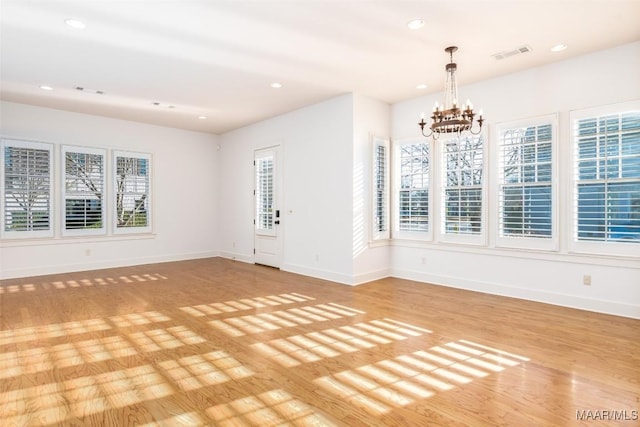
331, 276
237, 257
363, 278
571, 301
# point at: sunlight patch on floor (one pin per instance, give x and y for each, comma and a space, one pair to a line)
400, 381
314, 346
36, 333
201, 310
254, 324
193, 372
80, 283
272, 408
162, 339
55, 402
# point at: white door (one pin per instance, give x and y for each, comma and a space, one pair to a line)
268, 214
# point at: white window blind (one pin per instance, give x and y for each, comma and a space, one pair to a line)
525, 193
83, 190
265, 194
607, 177
132, 183
381, 189
463, 187
413, 193
27, 169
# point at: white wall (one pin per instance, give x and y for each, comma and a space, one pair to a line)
600, 78
316, 149
184, 176
371, 119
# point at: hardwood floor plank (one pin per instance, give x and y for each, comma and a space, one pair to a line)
217, 342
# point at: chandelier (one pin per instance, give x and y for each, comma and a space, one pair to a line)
450, 117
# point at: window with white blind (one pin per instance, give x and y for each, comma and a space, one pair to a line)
132, 192
27, 170
265, 193
607, 178
83, 189
463, 188
412, 188
526, 208
380, 183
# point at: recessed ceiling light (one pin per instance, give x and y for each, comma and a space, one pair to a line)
421, 87
74, 23
415, 24
558, 48
276, 85
202, 117
45, 87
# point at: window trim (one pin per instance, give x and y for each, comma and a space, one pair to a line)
52, 220
112, 200
63, 172
266, 153
396, 233
594, 247
380, 235
480, 239
519, 242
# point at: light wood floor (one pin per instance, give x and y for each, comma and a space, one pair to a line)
217, 342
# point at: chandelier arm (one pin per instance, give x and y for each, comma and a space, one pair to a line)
422, 124
476, 133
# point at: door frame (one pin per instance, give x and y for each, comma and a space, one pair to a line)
268, 246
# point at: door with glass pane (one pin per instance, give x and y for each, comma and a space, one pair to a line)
268, 240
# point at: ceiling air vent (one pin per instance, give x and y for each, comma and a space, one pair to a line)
513, 52
94, 91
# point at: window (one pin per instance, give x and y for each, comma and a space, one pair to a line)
264, 163
132, 188
27, 169
83, 191
607, 175
526, 193
463, 194
380, 189
413, 165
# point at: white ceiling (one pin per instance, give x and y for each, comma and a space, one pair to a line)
218, 58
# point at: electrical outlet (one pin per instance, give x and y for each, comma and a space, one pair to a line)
586, 280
